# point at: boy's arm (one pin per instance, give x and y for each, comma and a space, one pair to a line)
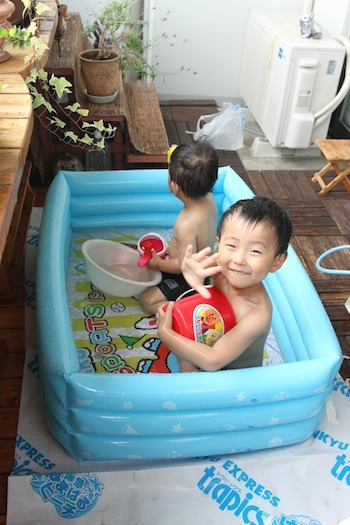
185, 235
196, 267
228, 348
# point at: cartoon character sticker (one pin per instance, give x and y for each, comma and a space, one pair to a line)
208, 324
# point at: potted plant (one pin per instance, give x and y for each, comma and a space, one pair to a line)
6, 9
118, 44
64, 120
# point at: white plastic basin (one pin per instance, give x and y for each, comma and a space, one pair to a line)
112, 268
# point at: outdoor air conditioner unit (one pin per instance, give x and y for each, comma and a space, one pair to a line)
289, 82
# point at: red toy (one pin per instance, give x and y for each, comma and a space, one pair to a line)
203, 320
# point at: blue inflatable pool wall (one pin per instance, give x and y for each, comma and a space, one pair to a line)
100, 417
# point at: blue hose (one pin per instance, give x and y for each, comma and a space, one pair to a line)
328, 252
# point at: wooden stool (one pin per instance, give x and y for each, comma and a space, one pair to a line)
336, 152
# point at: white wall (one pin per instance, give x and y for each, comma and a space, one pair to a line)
339, 21
198, 44
208, 45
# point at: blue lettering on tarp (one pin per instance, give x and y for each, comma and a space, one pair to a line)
341, 469
342, 387
229, 498
250, 483
295, 520
331, 442
33, 240
72, 495
35, 458
29, 294
33, 365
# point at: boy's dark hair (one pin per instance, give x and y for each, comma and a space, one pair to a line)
194, 168
262, 209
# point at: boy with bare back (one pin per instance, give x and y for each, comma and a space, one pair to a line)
193, 171
253, 238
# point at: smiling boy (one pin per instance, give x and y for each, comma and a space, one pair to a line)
253, 237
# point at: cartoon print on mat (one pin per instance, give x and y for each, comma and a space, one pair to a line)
113, 335
72, 495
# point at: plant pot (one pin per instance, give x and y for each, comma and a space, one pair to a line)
6, 10
100, 76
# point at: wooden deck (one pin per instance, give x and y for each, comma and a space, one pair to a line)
319, 223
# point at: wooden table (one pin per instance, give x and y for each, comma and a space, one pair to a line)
336, 152
16, 127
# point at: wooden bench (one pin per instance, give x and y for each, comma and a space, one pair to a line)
336, 152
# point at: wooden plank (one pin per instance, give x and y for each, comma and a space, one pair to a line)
15, 134
289, 184
184, 113
193, 103
259, 184
10, 392
301, 179
182, 128
274, 184
172, 133
14, 107
340, 211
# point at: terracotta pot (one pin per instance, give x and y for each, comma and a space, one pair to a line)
100, 76
6, 9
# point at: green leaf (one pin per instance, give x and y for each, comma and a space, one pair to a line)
41, 8
27, 4
87, 140
60, 85
32, 28
83, 112
100, 144
38, 43
73, 107
38, 101
58, 122
99, 125
71, 135
42, 74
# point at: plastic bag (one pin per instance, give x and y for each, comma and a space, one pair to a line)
224, 130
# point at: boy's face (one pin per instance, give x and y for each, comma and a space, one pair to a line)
247, 252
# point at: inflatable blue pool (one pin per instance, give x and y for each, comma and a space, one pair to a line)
102, 417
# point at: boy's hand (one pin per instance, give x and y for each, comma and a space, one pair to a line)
153, 263
196, 267
164, 318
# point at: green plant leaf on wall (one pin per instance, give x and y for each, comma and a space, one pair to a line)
100, 144
83, 112
47, 92
27, 4
42, 8
60, 84
98, 124
71, 135
38, 43
87, 140
76, 108
39, 100
57, 122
